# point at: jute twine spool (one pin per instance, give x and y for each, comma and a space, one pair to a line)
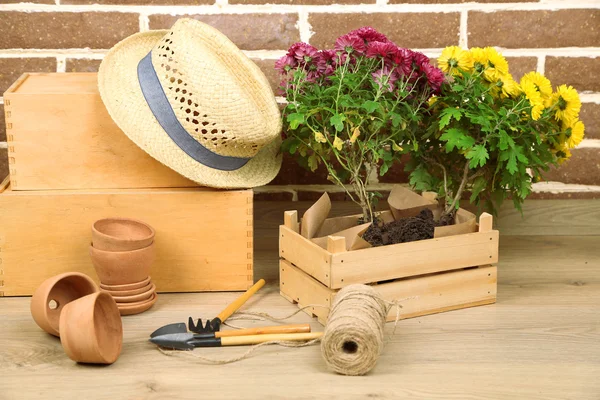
353, 338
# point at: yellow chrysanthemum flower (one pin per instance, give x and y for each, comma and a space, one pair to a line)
567, 103
319, 137
454, 59
562, 153
496, 65
338, 143
534, 97
576, 136
510, 88
541, 83
479, 58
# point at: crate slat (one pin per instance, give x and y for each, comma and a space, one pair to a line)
422, 295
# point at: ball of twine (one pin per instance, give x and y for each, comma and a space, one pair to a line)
353, 338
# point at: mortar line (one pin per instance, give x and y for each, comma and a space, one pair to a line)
541, 64
463, 36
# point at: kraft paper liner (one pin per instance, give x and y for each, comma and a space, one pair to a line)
404, 203
313, 218
353, 236
464, 222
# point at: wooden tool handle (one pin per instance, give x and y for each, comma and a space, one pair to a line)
255, 339
297, 328
226, 313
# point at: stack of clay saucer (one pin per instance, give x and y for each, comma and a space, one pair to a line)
122, 252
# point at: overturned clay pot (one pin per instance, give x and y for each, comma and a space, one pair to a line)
54, 293
122, 267
121, 234
91, 329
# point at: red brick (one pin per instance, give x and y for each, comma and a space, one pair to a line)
82, 65
302, 2
519, 66
415, 30
3, 164
582, 168
140, 2
2, 124
62, 30
291, 173
579, 72
12, 68
590, 115
535, 29
458, 1
273, 76
247, 31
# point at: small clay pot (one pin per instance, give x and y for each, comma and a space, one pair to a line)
126, 287
121, 234
122, 267
91, 329
122, 293
135, 297
54, 293
138, 307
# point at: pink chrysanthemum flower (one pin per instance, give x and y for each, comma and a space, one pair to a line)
369, 34
435, 76
326, 60
350, 43
419, 58
381, 49
404, 59
385, 78
302, 52
285, 63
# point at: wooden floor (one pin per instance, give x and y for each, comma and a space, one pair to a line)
540, 341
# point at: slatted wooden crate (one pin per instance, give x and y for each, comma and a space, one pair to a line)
434, 275
60, 136
44, 233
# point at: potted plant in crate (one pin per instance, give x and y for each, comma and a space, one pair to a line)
351, 107
489, 135
354, 109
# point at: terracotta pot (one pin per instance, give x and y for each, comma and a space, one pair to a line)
121, 234
122, 267
126, 287
121, 293
91, 329
134, 297
57, 292
138, 307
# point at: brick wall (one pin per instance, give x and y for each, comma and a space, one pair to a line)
557, 37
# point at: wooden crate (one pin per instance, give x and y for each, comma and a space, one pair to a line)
203, 237
442, 274
60, 136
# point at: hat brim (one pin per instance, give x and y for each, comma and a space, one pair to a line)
121, 93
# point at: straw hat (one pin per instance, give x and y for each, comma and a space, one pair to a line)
192, 100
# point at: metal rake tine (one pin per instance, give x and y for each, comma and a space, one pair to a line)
198, 328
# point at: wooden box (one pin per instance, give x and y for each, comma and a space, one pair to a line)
203, 237
60, 136
434, 275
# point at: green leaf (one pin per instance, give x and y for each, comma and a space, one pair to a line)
396, 119
478, 186
293, 147
295, 119
458, 88
512, 156
505, 140
420, 179
478, 156
370, 106
338, 121
313, 162
447, 114
458, 138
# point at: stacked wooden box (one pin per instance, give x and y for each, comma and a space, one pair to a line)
71, 165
